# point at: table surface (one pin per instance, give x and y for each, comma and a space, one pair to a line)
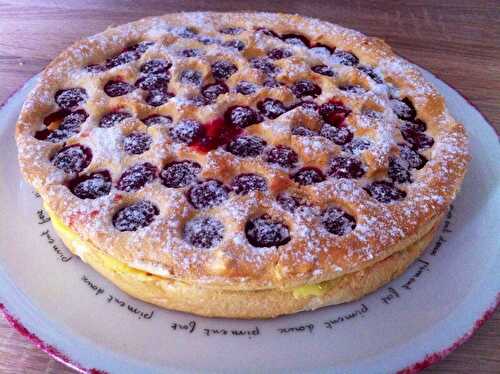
459, 41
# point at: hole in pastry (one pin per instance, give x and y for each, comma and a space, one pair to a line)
43, 135
91, 186
404, 109
282, 156
338, 135
334, 112
296, 39
346, 167
356, 145
323, 70
216, 132
322, 49
415, 125
190, 76
190, 52
229, 30
308, 175
271, 108
157, 119
95, 68
179, 174
135, 216
53, 120
136, 177
141, 47
344, 58
154, 74
156, 67
385, 191
123, 58
208, 40
414, 159
151, 81
266, 31
241, 116
113, 118
303, 131
71, 98
279, 53
337, 222
208, 194
264, 64
243, 184
399, 170
290, 202
353, 89
129, 54
115, 88
234, 44
368, 70
270, 82
372, 114
185, 32
246, 88
203, 232
60, 128
198, 101
265, 231
187, 131
73, 158
304, 88
372, 110
212, 91
416, 138
136, 143
246, 146
158, 97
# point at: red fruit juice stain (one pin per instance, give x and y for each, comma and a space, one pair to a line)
215, 133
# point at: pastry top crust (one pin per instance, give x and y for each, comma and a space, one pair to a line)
238, 235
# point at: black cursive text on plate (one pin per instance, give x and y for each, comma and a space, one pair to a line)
112, 299
296, 329
233, 332
390, 296
42, 217
346, 317
422, 267
187, 327
61, 252
248, 333
446, 230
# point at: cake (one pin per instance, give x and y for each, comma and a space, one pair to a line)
241, 165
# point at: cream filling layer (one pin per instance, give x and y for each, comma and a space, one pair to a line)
81, 247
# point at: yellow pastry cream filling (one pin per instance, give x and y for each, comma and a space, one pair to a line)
69, 236
311, 290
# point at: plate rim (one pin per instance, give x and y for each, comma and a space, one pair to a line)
427, 358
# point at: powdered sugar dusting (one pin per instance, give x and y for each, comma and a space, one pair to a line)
205, 219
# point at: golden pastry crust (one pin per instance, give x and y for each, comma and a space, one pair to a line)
312, 254
270, 303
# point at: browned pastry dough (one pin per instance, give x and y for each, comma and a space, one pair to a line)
251, 152
269, 303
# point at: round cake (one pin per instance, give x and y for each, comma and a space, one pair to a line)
242, 165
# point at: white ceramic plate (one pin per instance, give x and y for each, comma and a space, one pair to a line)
74, 314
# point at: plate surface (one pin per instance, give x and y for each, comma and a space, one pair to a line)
424, 313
